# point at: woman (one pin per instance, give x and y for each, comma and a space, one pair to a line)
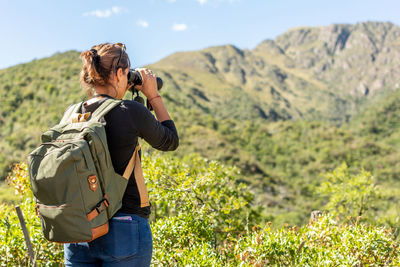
104, 75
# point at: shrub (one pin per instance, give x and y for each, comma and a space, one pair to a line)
197, 203
324, 242
349, 194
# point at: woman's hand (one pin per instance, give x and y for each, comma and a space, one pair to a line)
149, 84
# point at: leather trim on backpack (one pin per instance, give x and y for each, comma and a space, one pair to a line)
96, 233
93, 185
99, 231
70, 110
78, 117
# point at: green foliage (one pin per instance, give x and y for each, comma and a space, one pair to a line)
195, 202
7, 194
195, 185
187, 234
184, 239
324, 242
349, 195
19, 180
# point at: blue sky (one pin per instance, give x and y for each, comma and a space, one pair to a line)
154, 29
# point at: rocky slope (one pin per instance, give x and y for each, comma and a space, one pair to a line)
310, 73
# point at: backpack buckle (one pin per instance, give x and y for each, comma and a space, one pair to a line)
100, 207
103, 204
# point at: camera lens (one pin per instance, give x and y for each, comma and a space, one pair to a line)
134, 78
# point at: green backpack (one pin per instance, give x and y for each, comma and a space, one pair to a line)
73, 180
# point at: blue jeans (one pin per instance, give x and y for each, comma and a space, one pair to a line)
127, 243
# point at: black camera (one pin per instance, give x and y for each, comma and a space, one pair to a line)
134, 78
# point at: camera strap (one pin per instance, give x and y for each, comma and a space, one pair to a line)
103, 95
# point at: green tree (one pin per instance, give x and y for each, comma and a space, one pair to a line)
349, 194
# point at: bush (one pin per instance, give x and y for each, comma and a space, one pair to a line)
198, 220
349, 194
324, 242
196, 185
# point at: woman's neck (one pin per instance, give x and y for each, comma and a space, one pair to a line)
106, 90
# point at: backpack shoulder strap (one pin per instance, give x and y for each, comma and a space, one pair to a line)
104, 108
74, 108
135, 165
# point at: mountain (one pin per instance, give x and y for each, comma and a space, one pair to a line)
307, 73
284, 112
354, 59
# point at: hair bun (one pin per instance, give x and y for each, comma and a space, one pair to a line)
96, 57
94, 51
98, 65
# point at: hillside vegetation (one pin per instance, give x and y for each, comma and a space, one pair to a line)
284, 112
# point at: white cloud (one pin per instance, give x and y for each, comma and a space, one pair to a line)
143, 23
216, 2
115, 10
179, 27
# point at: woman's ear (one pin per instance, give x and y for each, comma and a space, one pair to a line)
119, 74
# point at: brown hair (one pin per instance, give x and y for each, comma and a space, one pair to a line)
99, 63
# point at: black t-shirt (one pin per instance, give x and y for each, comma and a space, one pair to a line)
124, 124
